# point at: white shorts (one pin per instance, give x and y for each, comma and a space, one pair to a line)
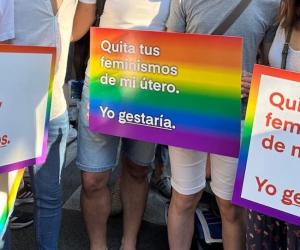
188, 169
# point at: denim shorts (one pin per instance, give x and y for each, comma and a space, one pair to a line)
98, 152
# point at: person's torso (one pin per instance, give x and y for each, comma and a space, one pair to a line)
148, 15
204, 16
275, 55
135, 14
36, 24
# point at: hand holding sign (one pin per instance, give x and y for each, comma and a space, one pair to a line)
246, 83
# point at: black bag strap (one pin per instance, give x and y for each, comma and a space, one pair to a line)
285, 50
231, 18
99, 11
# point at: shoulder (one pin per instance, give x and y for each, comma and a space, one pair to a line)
271, 4
267, 10
268, 7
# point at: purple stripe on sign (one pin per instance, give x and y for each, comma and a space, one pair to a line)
30, 162
18, 165
239, 180
267, 210
218, 144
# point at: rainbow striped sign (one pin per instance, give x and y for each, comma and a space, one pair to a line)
25, 100
267, 179
168, 88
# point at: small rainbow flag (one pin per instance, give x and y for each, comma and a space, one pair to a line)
168, 88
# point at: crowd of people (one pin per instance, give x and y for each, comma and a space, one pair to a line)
264, 25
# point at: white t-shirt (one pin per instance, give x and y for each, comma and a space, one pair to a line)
6, 20
88, 1
35, 24
134, 14
275, 56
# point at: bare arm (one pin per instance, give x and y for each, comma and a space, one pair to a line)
84, 18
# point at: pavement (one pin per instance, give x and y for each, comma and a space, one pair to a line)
152, 236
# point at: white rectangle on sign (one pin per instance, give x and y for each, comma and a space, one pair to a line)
24, 106
274, 150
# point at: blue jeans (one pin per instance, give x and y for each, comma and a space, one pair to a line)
47, 186
7, 240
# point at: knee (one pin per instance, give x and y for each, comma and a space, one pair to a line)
136, 172
185, 203
94, 182
229, 212
47, 193
49, 200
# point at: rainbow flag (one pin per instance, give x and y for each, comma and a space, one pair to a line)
168, 88
9, 184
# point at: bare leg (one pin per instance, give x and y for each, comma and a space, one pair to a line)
96, 206
181, 220
233, 225
134, 190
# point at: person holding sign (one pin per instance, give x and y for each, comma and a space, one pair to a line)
263, 231
253, 20
48, 23
98, 153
